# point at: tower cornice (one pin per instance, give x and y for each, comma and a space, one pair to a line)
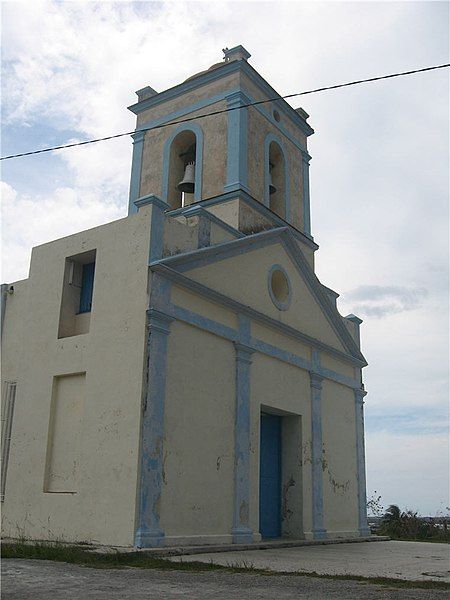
209, 76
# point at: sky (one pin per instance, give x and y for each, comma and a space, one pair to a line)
379, 173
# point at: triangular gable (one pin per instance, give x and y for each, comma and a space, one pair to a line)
197, 264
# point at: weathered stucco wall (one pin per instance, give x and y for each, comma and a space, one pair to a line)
339, 460
197, 498
111, 354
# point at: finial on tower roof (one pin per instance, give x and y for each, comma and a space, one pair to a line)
236, 53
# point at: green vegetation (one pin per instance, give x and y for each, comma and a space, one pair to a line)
81, 555
408, 525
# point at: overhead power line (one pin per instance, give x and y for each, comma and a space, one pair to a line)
225, 110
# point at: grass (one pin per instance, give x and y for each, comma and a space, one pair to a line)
78, 554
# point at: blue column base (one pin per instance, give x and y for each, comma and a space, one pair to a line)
364, 532
242, 536
319, 534
148, 539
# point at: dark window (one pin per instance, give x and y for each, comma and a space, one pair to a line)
87, 287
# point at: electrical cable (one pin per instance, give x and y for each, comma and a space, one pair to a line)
225, 110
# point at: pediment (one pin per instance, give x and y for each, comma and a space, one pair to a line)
242, 269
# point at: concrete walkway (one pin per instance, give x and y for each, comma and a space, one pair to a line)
398, 560
46, 580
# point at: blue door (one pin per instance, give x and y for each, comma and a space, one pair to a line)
270, 477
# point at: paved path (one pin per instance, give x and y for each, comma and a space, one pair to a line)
45, 580
399, 560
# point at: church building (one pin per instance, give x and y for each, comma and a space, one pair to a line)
181, 376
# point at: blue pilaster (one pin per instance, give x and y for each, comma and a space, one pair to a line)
361, 463
318, 530
241, 530
136, 166
306, 201
157, 224
237, 158
149, 533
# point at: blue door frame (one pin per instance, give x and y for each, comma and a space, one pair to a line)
270, 476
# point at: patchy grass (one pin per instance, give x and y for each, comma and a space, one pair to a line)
77, 554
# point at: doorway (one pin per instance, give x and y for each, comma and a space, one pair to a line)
270, 476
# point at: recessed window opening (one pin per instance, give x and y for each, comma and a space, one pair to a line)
8, 399
276, 116
77, 294
182, 167
277, 180
279, 287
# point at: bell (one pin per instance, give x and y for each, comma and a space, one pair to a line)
272, 188
187, 184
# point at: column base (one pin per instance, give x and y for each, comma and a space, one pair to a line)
242, 536
364, 532
149, 539
319, 534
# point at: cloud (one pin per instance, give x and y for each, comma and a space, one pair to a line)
30, 221
380, 301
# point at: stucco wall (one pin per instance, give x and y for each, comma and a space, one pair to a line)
197, 499
103, 507
339, 460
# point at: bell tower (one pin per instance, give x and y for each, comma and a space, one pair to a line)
253, 147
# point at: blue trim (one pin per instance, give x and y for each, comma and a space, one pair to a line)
156, 225
136, 167
197, 320
318, 530
280, 354
255, 315
270, 137
278, 303
329, 310
181, 112
237, 157
204, 256
198, 132
151, 199
149, 532
241, 530
87, 288
197, 210
361, 463
306, 196
199, 258
213, 75
258, 207
210, 100
245, 328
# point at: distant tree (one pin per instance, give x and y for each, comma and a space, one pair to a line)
374, 506
409, 525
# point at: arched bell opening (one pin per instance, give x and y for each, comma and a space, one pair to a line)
276, 180
182, 178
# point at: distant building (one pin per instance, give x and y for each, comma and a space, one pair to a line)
181, 376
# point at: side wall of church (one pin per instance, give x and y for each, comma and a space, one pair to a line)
75, 430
